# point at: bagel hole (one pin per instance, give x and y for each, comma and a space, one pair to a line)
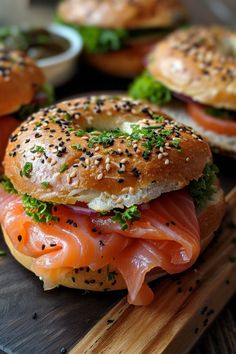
106, 123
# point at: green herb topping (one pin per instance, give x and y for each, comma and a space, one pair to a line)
38, 149
232, 259
7, 185
45, 184
63, 168
27, 169
105, 138
39, 211
123, 216
76, 147
80, 132
203, 189
146, 87
153, 138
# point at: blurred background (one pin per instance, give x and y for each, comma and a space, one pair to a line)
39, 12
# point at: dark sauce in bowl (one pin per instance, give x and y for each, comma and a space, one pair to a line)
38, 43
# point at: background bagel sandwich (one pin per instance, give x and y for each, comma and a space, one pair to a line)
192, 73
118, 34
105, 193
22, 92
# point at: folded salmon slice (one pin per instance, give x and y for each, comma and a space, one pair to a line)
166, 236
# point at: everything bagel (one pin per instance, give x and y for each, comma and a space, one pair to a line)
118, 34
19, 80
199, 62
192, 74
122, 13
101, 168
106, 193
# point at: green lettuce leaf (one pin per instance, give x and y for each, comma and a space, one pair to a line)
147, 88
203, 189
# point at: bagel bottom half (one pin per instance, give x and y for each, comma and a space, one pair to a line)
86, 279
127, 63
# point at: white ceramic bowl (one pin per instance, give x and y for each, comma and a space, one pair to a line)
60, 68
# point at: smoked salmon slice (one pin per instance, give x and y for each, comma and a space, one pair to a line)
166, 236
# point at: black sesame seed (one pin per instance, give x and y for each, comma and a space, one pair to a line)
120, 180
35, 316
19, 238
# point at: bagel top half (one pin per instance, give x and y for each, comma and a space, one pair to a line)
122, 13
19, 80
199, 62
133, 154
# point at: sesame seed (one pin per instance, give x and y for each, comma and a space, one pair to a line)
108, 167
131, 190
73, 174
160, 156
100, 176
167, 162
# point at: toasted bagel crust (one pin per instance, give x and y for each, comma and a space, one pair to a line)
75, 170
19, 79
199, 62
122, 13
209, 221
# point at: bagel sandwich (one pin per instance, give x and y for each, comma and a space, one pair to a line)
22, 91
106, 193
118, 34
192, 74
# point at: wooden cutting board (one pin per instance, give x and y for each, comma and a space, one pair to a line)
34, 321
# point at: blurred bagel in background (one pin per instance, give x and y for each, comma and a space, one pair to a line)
22, 92
196, 66
118, 34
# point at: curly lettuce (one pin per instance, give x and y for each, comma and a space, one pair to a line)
203, 189
147, 88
